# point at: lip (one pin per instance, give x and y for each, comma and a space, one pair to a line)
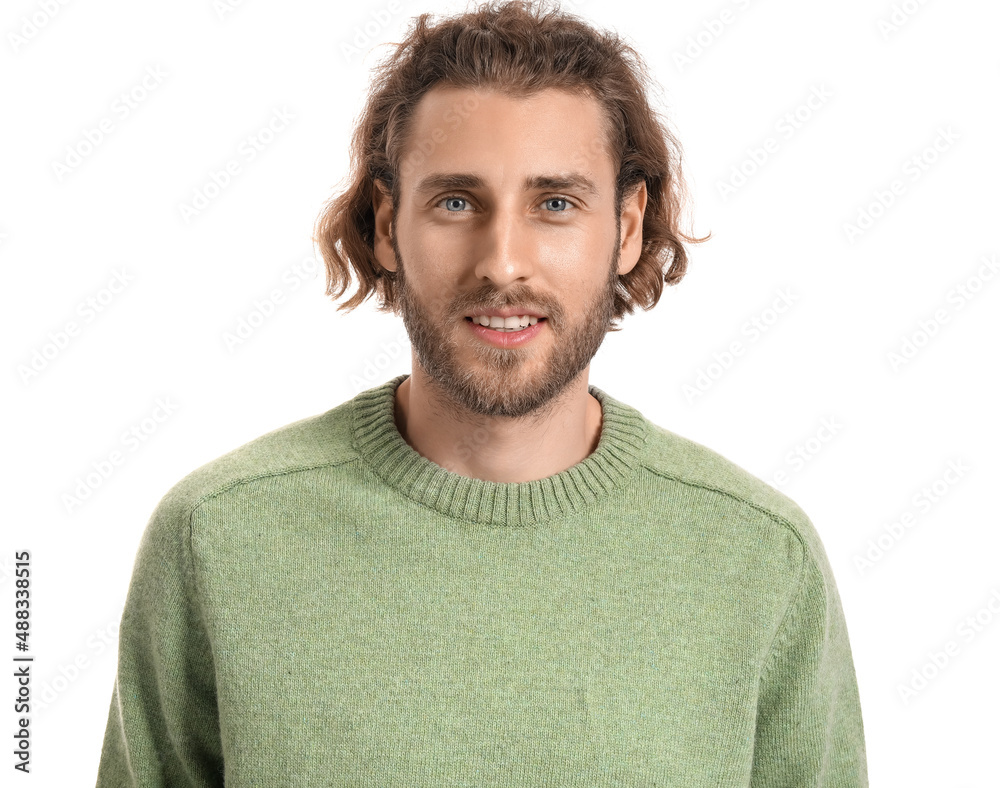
507, 313
506, 338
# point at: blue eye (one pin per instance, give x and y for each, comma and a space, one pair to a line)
460, 204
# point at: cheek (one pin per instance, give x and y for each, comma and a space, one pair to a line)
430, 243
579, 256
429, 283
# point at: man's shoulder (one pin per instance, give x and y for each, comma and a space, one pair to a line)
320, 441
680, 460
688, 462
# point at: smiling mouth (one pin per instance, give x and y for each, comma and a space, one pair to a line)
532, 320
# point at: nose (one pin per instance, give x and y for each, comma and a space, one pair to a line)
505, 248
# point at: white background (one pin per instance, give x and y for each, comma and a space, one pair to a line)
894, 86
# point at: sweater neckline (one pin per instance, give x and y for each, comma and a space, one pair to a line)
383, 448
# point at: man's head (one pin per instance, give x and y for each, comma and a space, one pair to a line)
508, 158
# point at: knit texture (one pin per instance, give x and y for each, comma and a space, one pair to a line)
324, 606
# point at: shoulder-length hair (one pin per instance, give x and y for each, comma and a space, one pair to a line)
516, 48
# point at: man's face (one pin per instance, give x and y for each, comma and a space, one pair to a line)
505, 239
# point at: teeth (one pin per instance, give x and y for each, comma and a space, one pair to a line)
505, 323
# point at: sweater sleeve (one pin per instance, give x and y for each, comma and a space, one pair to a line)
163, 725
809, 727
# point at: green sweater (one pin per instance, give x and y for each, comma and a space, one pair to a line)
326, 607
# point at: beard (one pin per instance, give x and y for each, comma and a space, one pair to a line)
504, 382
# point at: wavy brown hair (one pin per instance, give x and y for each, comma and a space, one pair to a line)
516, 48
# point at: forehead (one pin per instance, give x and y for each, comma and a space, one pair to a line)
507, 139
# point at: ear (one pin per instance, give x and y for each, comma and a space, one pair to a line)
382, 205
633, 210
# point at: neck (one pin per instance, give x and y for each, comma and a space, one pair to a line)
498, 449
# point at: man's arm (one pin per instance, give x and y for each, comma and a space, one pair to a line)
163, 726
809, 727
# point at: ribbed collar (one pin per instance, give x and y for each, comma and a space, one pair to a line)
383, 448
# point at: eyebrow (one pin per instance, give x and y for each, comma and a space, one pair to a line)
461, 180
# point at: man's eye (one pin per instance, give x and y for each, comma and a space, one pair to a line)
460, 204
454, 204
563, 200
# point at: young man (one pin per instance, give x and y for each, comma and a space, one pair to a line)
489, 572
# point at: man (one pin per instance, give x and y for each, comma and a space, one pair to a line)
489, 572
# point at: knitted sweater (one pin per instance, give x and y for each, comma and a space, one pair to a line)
324, 606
